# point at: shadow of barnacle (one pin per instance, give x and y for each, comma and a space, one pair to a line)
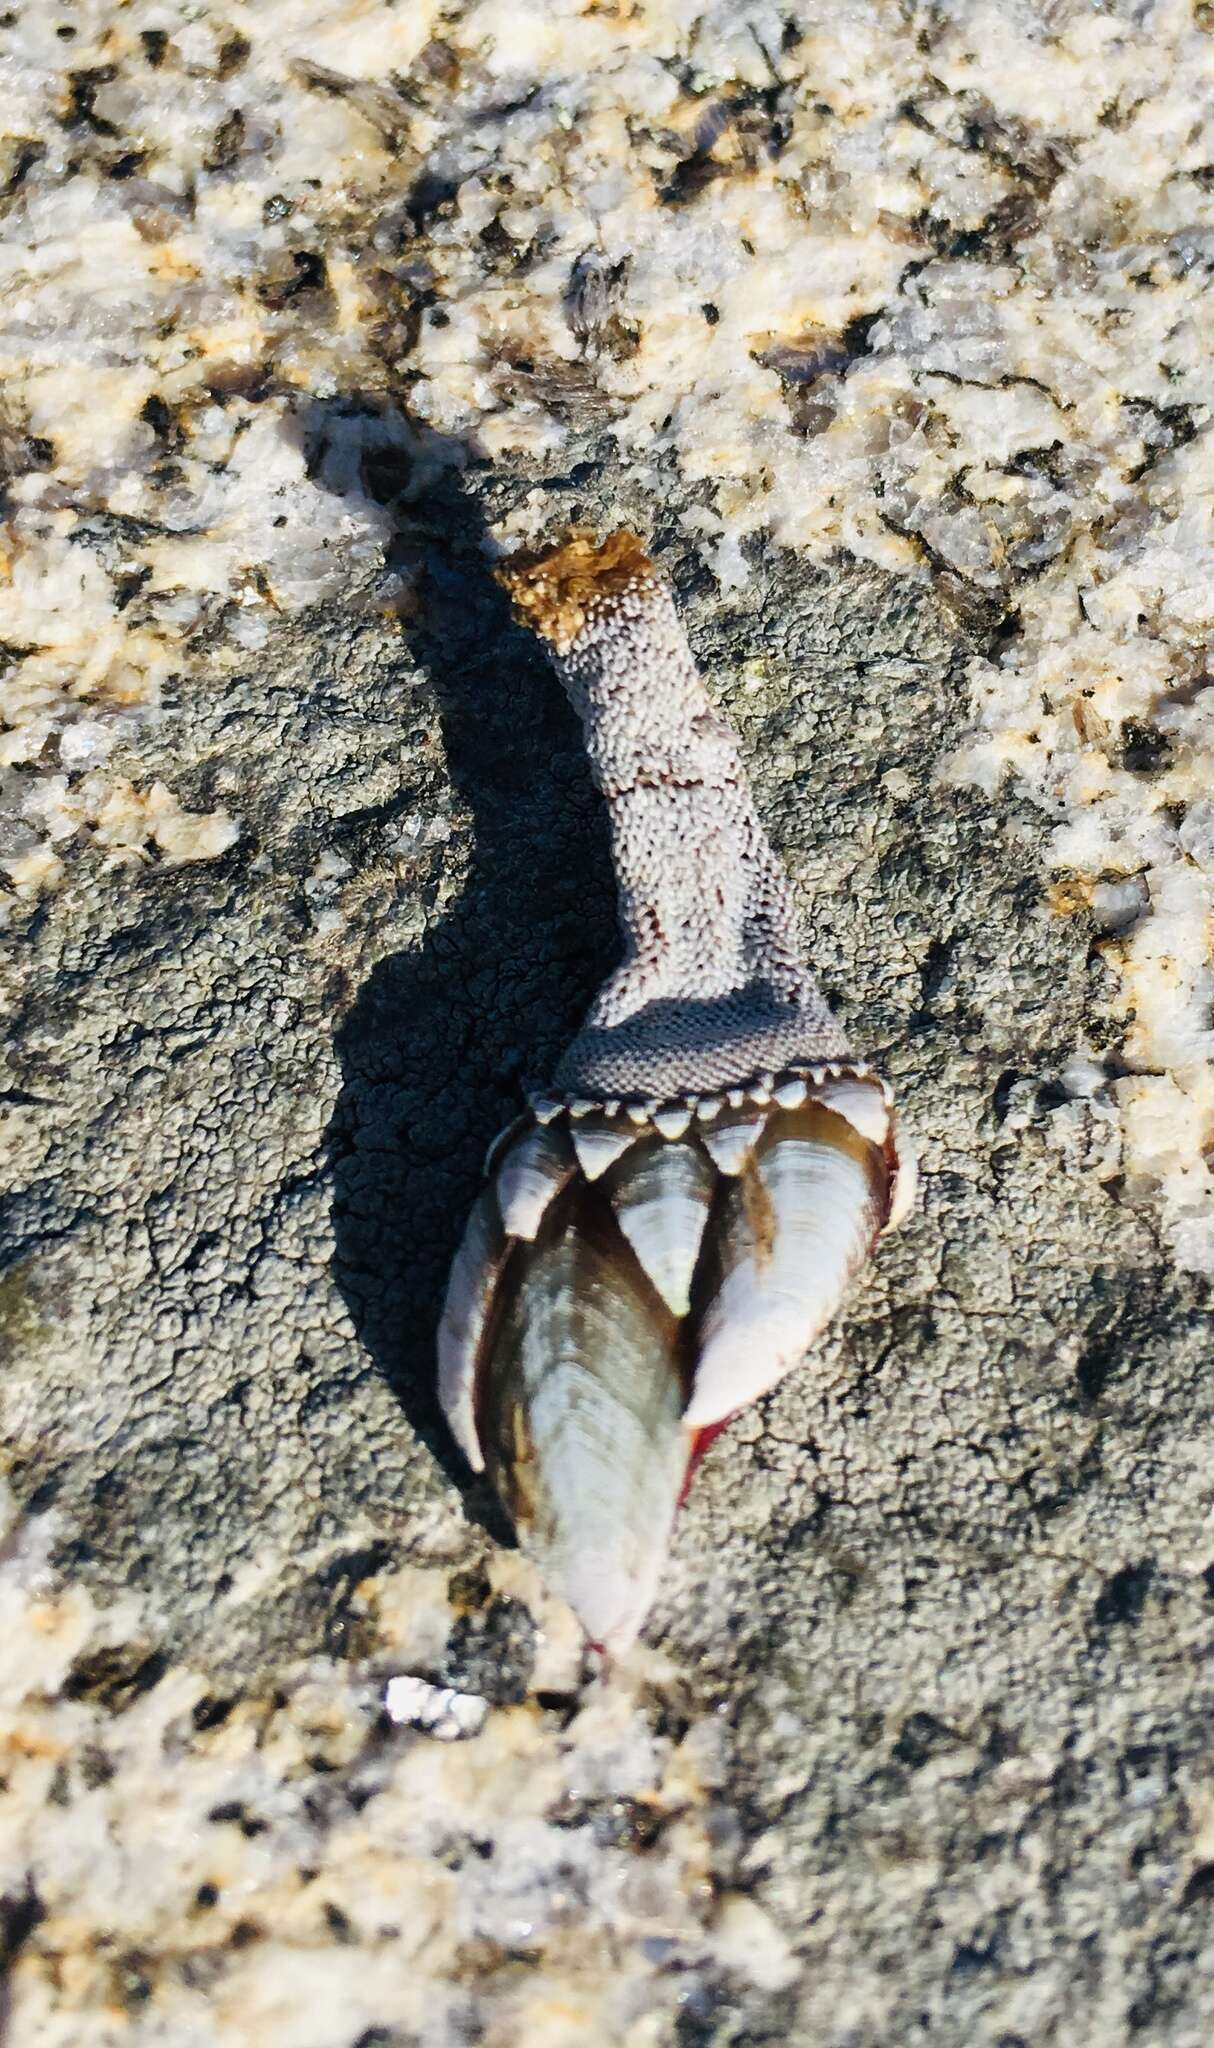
442, 1037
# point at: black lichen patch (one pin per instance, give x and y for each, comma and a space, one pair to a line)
158, 414
1199, 1887
233, 55
345, 1624
113, 1677
470, 1588
20, 1913
492, 1653
633, 1824
227, 143
300, 270
1142, 749
1123, 1596
921, 1738
231, 1812
339, 1924
82, 90
211, 1712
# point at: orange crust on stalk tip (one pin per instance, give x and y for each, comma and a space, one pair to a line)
554, 592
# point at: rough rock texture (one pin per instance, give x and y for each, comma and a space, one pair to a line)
942, 1603
918, 1751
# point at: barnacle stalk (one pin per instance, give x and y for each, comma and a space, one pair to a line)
664, 1233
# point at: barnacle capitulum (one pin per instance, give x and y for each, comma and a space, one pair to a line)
669, 1228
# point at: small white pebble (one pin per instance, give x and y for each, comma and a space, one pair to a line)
436, 1710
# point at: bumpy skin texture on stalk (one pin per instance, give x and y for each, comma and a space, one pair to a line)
664, 1234
712, 987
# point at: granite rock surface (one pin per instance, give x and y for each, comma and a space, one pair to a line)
307, 879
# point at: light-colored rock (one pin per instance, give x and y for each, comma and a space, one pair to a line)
307, 879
